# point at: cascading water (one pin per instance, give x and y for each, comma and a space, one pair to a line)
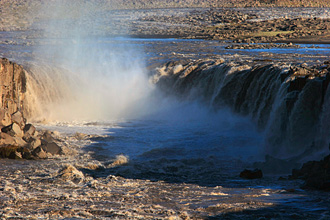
94, 84
289, 106
82, 75
79, 75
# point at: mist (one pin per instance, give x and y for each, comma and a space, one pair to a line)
81, 73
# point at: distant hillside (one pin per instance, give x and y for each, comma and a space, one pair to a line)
145, 4
130, 4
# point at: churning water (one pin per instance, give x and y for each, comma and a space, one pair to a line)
106, 90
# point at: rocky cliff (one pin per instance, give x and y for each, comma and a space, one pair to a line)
13, 86
18, 139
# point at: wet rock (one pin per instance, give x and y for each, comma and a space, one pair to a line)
39, 153
251, 174
69, 172
47, 138
14, 130
315, 173
52, 148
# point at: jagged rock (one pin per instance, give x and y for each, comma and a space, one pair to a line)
251, 174
33, 143
47, 138
52, 148
6, 139
39, 153
17, 117
5, 118
14, 130
315, 173
29, 130
13, 82
16, 155
20, 142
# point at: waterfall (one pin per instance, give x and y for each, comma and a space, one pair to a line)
289, 104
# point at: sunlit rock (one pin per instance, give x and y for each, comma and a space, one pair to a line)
14, 130
17, 117
5, 118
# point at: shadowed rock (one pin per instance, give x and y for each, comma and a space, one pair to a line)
52, 148
39, 153
315, 173
29, 131
251, 174
14, 130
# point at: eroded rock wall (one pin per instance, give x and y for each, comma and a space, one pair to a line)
13, 86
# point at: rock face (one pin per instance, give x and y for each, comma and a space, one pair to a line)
19, 140
13, 86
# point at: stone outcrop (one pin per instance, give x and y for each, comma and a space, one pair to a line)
315, 173
19, 140
13, 86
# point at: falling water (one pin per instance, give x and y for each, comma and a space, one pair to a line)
77, 74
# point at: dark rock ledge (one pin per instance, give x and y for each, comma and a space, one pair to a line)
19, 139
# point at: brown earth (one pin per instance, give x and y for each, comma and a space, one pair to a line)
177, 20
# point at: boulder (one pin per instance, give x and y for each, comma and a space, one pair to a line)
39, 153
18, 118
29, 131
33, 143
20, 142
52, 148
315, 173
251, 174
47, 138
6, 139
14, 130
